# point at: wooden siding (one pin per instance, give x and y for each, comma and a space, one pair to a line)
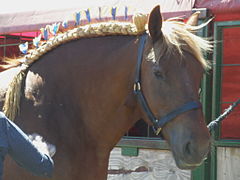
228, 161
149, 164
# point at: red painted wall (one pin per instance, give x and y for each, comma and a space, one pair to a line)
231, 81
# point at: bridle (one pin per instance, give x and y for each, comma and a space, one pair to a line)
158, 124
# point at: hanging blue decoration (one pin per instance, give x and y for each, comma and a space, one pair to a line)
37, 40
88, 15
99, 13
126, 13
77, 18
23, 47
54, 28
65, 24
114, 10
45, 32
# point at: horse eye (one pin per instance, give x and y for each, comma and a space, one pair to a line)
158, 74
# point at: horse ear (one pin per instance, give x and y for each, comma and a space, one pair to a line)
193, 19
155, 24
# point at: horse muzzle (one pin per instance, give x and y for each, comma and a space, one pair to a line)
191, 154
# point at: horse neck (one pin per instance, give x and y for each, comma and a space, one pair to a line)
97, 76
84, 85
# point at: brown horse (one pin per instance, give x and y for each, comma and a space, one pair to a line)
80, 97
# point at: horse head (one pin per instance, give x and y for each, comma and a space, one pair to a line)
170, 79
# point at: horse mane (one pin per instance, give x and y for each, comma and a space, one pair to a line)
86, 31
181, 36
174, 33
12, 99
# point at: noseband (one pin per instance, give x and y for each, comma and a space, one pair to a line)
158, 124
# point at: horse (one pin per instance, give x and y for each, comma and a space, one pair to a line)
84, 94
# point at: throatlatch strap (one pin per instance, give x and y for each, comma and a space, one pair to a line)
142, 40
186, 107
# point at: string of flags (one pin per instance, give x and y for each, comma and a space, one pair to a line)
114, 10
24, 47
88, 15
37, 40
52, 30
77, 18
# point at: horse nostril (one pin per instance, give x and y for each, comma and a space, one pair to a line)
193, 153
187, 149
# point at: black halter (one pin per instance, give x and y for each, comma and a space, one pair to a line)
158, 124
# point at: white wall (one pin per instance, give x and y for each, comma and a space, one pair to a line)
228, 163
150, 164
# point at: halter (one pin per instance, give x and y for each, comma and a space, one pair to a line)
158, 124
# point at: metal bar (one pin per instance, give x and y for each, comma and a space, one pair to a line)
227, 23
198, 173
217, 57
227, 102
213, 169
16, 44
203, 172
230, 65
217, 76
146, 143
227, 143
5, 45
206, 85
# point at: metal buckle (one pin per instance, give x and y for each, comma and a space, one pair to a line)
158, 131
137, 86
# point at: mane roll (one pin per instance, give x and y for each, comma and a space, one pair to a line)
140, 20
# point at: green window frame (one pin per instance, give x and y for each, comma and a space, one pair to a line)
217, 93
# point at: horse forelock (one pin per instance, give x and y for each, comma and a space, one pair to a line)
180, 36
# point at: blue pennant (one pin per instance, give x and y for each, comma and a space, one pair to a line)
45, 32
114, 10
126, 13
23, 47
88, 15
37, 40
65, 24
55, 28
77, 18
99, 13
